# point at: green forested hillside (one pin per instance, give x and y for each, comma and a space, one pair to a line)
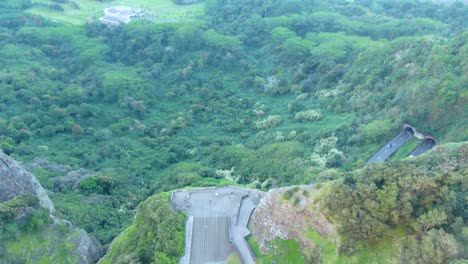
28, 234
156, 235
258, 93
418, 205
408, 211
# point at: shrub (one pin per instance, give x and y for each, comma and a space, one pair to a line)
309, 115
97, 184
335, 158
297, 200
77, 130
287, 195
270, 121
16, 205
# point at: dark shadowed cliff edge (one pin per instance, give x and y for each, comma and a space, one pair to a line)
30, 230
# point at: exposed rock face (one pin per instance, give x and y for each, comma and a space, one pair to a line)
291, 218
15, 180
87, 248
47, 165
72, 179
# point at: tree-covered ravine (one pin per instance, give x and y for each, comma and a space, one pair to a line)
260, 94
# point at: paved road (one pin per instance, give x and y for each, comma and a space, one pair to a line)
390, 147
243, 250
210, 243
217, 221
426, 145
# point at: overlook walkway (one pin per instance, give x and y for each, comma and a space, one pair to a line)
217, 223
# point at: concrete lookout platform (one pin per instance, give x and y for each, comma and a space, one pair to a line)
217, 223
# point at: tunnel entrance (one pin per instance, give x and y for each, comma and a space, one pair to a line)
409, 130
430, 140
427, 143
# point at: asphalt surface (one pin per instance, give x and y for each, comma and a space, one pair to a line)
217, 223
392, 146
241, 246
188, 246
425, 146
210, 243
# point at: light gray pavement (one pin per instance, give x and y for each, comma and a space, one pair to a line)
247, 206
390, 147
188, 246
242, 247
218, 220
210, 243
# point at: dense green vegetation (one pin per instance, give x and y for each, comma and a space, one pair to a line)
260, 93
28, 235
424, 199
407, 211
156, 235
80, 12
285, 251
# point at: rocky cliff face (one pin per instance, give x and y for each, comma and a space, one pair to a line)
288, 213
15, 180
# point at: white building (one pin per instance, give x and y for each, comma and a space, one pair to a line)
119, 15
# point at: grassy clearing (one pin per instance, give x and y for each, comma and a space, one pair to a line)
406, 149
288, 251
86, 10
380, 252
254, 246
283, 251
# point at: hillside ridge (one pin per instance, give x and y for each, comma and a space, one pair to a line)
16, 183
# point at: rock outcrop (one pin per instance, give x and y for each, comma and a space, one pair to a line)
289, 213
87, 248
15, 180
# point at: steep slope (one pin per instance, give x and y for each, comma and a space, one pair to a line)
288, 213
410, 211
156, 235
272, 91
16, 181
30, 231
